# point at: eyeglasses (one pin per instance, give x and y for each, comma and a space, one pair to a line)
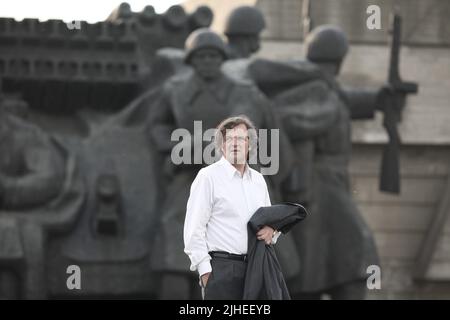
239, 139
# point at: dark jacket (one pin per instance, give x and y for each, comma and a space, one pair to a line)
264, 279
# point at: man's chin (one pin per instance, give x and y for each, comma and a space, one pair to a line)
236, 160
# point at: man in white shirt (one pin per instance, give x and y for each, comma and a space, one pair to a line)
223, 197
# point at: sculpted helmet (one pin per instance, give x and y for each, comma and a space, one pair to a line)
245, 20
326, 44
203, 38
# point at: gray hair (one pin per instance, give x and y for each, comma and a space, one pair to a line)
230, 123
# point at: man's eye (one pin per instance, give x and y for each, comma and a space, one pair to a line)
240, 139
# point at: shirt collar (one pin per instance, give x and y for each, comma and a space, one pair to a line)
231, 171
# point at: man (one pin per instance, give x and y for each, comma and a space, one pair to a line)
223, 197
205, 94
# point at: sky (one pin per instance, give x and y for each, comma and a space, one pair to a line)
69, 10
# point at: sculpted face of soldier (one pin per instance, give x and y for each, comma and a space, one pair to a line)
207, 62
245, 45
254, 43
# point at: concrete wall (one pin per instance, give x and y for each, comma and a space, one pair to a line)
425, 22
400, 223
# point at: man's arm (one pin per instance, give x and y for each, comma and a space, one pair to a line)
267, 233
198, 212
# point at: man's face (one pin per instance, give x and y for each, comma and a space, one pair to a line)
235, 146
207, 62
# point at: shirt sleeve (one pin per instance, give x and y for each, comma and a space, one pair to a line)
268, 203
198, 212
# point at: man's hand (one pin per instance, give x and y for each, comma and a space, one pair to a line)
266, 234
205, 278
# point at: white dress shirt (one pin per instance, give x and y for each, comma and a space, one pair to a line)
221, 202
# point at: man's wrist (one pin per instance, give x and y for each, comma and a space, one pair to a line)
275, 236
204, 267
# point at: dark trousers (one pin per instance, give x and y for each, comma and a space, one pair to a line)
226, 281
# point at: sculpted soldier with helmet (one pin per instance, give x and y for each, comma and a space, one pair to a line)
243, 29
336, 246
